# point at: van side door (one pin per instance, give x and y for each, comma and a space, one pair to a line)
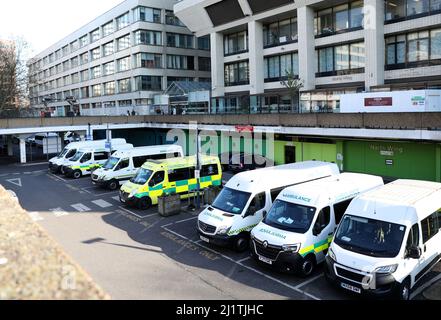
322, 229
254, 213
412, 264
123, 171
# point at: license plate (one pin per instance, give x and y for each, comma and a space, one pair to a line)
266, 260
205, 239
350, 288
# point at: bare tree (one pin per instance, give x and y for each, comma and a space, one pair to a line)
293, 84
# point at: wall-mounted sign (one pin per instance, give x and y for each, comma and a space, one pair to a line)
378, 102
244, 129
389, 162
418, 101
387, 153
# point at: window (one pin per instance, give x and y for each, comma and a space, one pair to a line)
123, 42
180, 174
86, 157
75, 78
147, 14
66, 65
122, 21
148, 37
84, 92
414, 236
180, 62
209, 170
84, 58
430, 226
109, 88
95, 35
84, 41
96, 72
257, 203
276, 67
171, 19
148, 60
435, 43
341, 18
323, 218
237, 73
280, 32
157, 178
338, 60
204, 43
123, 64
96, 53
418, 46
204, 63
124, 86
74, 62
123, 164
148, 83
74, 46
84, 75
396, 50
108, 29
109, 68
403, 9
96, 90
100, 156
180, 40
340, 209
67, 80
108, 49
139, 161
236, 43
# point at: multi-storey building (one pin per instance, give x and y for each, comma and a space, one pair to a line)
333, 47
120, 59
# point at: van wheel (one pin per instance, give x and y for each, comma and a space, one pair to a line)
307, 266
241, 244
77, 174
113, 185
404, 290
144, 203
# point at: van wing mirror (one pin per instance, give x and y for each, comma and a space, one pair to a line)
413, 252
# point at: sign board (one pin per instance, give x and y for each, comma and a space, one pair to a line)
108, 145
244, 129
378, 102
389, 162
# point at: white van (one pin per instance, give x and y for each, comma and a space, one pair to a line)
387, 240
56, 163
123, 165
88, 159
247, 196
295, 234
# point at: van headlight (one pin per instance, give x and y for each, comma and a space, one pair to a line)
331, 254
223, 230
387, 269
291, 247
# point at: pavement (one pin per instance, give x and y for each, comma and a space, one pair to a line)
134, 254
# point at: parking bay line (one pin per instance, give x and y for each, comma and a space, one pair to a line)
80, 207
136, 215
245, 266
57, 177
102, 203
192, 218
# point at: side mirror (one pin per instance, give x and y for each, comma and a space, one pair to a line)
413, 252
264, 213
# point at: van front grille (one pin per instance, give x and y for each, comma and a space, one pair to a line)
353, 276
204, 227
270, 251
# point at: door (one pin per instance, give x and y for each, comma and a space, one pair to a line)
123, 172
156, 186
321, 231
86, 161
254, 213
290, 154
413, 239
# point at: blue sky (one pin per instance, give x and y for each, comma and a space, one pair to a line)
43, 22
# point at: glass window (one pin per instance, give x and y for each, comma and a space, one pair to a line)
325, 22
109, 68
109, 88
417, 7
96, 72
108, 49
435, 5
122, 21
108, 29
96, 90
180, 40
85, 92
123, 42
231, 201
180, 62
124, 86
418, 46
290, 216
326, 60
84, 41
414, 236
148, 60
341, 54
357, 55
435, 44
430, 227
204, 43
204, 63
147, 14
84, 75
395, 9
96, 53
236, 42
148, 83
84, 58
75, 78
209, 170
356, 14
341, 17
148, 37
123, 64
95, 35
74, 46
171, 19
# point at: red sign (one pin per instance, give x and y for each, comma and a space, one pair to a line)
244, 129
378, 102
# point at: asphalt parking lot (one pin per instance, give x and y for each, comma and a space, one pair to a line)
135, 254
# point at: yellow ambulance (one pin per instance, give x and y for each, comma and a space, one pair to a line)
169, 176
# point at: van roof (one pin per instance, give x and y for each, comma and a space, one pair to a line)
402, 201
275, 177
93, 143
335, 189
173, 163
125, 146
148, 150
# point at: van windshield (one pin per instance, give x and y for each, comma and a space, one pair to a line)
370, 237
62, 153
142, 176
77, 156
290, 216
111, 163
231, 201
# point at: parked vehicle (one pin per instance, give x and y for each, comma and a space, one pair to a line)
86, 160
70, 137
56, 163
296, 233
123, 165
388, 239
169, 176
245, 161
247, 197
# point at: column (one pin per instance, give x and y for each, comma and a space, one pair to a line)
10, 146
217, 64
306, 41
374, 43
22, 150
255, 43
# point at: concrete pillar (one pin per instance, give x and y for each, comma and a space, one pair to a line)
306, 41
10, 146
217, 64
255, 36
22, 150
374, 43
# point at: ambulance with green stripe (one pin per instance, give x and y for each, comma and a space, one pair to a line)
246, 198
87, 160
170, 176
296, 233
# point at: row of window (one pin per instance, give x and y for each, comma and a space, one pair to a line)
138, 14
396, 10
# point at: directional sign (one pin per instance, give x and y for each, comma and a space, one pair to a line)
16, 181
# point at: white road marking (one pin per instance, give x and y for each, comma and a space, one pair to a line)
116, 198
101, 203
246, 267
80, 207
57, 177
186, 220
136, 215
304, 283
16, 181
242, 260
58, 212
425, 286
35, 216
